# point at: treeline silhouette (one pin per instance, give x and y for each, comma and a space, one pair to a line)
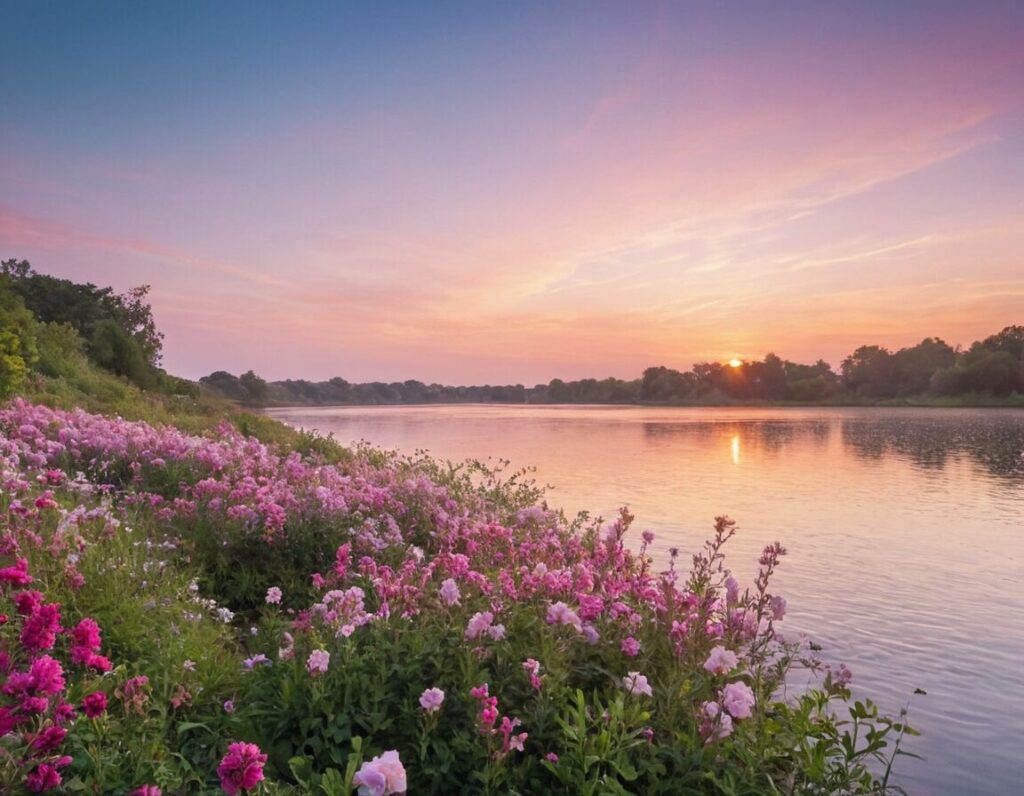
992, 368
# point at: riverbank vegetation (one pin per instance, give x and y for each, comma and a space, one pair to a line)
197, 600
197, 613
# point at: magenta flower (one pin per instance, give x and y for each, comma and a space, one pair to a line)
94, 704
18, 576
45, 777
630, 647
241, 768
274, 595
381, 776
431, 699
147, 790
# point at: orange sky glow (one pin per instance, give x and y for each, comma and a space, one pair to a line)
574, 195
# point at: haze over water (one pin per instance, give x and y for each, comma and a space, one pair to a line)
904, 530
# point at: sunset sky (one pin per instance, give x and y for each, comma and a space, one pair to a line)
509, 192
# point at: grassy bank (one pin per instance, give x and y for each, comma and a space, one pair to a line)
186, 577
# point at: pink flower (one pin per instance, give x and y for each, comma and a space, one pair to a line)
778, 608
561, 614
732, 590
431, 699
630, 647
147, 790
273, 596
478, 624
241, 768
496, 632
49, 740
381, 776
16, 575
41, 628
47, 675
318, 662
532, 667
27, 601
94, 704
738, 699
449, 592
721, 661
551, 757
716, 725
636, 684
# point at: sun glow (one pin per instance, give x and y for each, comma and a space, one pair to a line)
735, 363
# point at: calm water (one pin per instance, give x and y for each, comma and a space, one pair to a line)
905, 530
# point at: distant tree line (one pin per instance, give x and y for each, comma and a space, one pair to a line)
932, 368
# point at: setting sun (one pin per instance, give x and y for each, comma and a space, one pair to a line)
735, 363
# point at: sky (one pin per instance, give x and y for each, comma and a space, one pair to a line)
473, 193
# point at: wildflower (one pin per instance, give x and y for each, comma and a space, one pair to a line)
431, 699
630, 647
47, 675
561, 614
510, 740
478, 624
532, 667
181, 696
647, 536
496, 632
134, 693
94, 704
551, 757
27, 601
45, 777
778, 607
41, 628
274, 595
63, 713
738, 699
147, 790
229, 706
449, 592
381, 776
49, 740
241, 768
318, 662
636, 684
189, 665
716, 724
256, 660
732, 590
721, 661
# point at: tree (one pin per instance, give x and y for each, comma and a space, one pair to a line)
869, 372
254, 386
18, 350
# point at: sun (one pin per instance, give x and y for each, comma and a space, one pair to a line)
735, 363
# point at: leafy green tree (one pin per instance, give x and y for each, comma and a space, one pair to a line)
18, 351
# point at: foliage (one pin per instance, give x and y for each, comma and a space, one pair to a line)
306, 603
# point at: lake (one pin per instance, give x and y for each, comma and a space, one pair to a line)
905, 532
